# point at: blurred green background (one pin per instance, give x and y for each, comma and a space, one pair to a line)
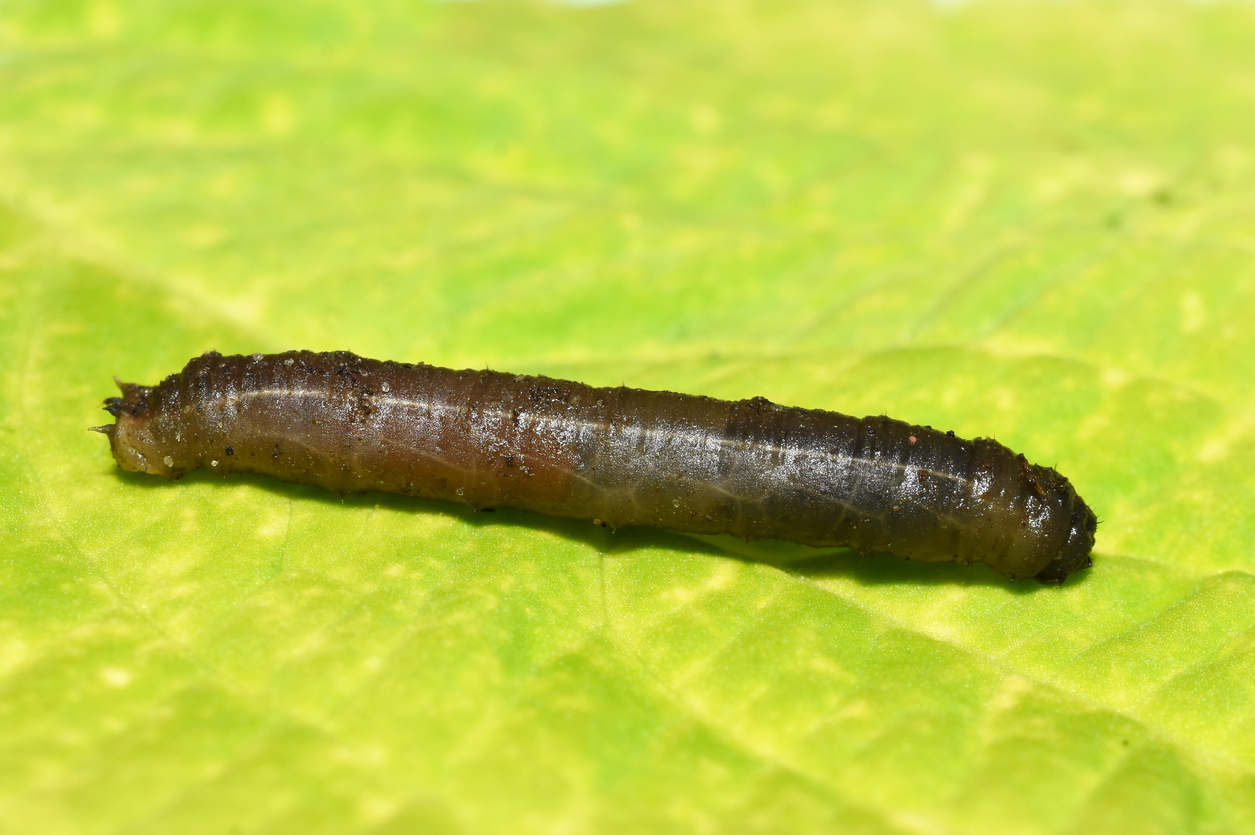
1028, 220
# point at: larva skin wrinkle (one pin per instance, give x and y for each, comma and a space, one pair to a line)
619, 456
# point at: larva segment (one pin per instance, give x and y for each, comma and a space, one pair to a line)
616, 455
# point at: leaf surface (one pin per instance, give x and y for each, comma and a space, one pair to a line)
1023, 220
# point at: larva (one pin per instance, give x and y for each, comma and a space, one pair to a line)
618, 456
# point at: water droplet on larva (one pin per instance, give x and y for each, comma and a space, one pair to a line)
459, 491
168, 461
289, 362
384, 387
675, 502
257, 357
213, 463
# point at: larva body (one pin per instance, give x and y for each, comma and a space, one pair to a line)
620, 456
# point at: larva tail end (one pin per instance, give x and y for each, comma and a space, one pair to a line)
134, 399
130, 391
138, 443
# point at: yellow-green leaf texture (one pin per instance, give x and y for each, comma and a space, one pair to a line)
1028, 220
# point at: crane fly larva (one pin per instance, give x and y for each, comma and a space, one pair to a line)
618, 456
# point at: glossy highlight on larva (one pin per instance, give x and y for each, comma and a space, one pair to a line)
616, 456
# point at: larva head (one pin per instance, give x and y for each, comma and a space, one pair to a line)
1075, 553
1057, 529
138, 443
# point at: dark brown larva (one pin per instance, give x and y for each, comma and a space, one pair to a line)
619, 456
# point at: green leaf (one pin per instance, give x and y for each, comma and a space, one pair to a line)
1028, 220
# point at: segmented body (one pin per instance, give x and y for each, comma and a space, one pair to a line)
620, 456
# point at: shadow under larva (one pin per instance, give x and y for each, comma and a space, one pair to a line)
616, 456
